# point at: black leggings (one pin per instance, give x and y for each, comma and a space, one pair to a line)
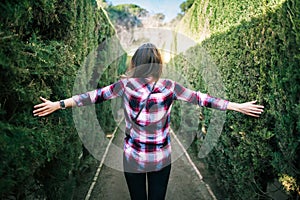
157, 184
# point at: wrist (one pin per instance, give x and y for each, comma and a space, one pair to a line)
233, 106
57, 105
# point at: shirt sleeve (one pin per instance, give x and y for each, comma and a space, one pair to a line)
99, 95
184, 94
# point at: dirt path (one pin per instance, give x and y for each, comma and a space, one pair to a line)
184, 182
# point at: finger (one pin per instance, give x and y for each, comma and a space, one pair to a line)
43, 99
40, 105
43, 114
254, 107
258, 110
40, 110
258, 106
251, 114
252, 102
254, 112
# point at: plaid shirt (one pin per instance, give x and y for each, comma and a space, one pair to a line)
147, 145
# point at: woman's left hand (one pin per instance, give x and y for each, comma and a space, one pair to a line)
45, 108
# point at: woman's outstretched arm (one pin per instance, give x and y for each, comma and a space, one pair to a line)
48, 107
95, 96
247, 108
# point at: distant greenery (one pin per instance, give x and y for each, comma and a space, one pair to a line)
126, 15
255, 45
159, 16
186, 5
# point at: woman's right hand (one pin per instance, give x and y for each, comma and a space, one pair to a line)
249, 108
45, 108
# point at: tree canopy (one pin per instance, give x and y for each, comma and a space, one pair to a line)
186, 5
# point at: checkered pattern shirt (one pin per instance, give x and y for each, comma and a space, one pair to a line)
147, 145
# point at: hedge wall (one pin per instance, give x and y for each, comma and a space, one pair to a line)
42, 45
258, 56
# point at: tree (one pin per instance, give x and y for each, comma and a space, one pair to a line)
184, 6
159, 16
127, 15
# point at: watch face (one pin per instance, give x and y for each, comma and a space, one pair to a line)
62, 105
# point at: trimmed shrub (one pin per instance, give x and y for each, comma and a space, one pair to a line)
257, 53
43, 44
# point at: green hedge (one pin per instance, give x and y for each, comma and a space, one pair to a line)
257, 52
219, 16
43, 44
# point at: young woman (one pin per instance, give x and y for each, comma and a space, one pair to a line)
147, 105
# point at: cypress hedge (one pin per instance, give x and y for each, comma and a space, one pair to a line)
256, 49
43, 44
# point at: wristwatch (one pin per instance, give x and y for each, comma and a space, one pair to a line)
62, 104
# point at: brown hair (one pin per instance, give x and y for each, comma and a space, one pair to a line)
146, 62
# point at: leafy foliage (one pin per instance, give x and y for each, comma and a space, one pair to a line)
127, 15
186, 5
43, 44
256, 48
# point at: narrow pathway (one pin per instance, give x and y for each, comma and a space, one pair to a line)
185, 179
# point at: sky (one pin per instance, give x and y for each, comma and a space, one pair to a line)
170, 8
